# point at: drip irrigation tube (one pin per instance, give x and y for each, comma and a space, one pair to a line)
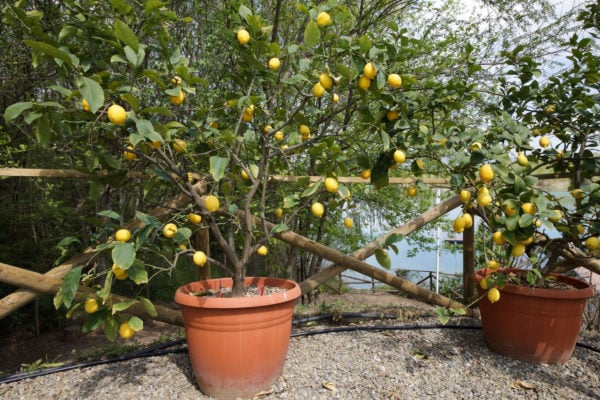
164, 348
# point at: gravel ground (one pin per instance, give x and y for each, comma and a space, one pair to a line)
388, 364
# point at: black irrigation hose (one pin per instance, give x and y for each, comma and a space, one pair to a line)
163, 348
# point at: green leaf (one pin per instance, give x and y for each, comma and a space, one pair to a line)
182, 235
132, 56
312, 34
69, 286
109, 214
364, 43
443, 315
49, 50
148, 219
383, 258
123, 254
526, 220
218, 166
124, 305
244, 12
111, 327
95, 320
136, 324
138, 274
311, 189
92, 92
393, 238
124, 33
14, 110
280, 228
148, 306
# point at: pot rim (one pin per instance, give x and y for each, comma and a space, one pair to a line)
291, 293
583, 290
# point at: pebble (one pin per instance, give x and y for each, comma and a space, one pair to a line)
390, 364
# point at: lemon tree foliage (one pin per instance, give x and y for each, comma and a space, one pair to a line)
172, 101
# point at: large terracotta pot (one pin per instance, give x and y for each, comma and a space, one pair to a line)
237, 345
533, 324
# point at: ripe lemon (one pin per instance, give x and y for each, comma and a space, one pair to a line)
91, 306
325, 81
117, 114
550, 108
399, 156
369, 71
178, 100
199, 258
544, 141
528, 208
331, 184
278, 135
518, 250
522, 159
318, 90
364, 83
323, 19
317, 209
458, 225
304, 130
592, 243
486, 173
176, 80
213, 124
365, 174
497, 237
123, 235
179, 146
119, 272
194, 218
493, 264
394, 80
335, 98
267, 129
85, 105
154, 145
465, 195
412, 191
419, 163
577, 194
468, 220
211, 203
243, 36
493, 295
262, 250
483, 283
274, 64
245, 175
169, 230
509, 207
247, 117
278, 212
129, 154
348, 223
126, 331
475, 146
392, 115
484, 199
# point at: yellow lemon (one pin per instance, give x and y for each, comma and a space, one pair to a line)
484, 199
245, 175
243, 36
369, 71
318, 90
194, 218
85, 105
267, 129
179, 146
119, 272
577, 194
493, 264
274, 64
278, 135
91, 306
522, 159
304, 130
126, 331
335, 98
483, 283
399, 156
475, 146
117, 115
468, 219
213, 124
365, 174
528, 208
544, 141
348, 223
412, 191
419, 163
155, 144
199, 258
392, 115
279, 212
169, 230
129, 154
123, 235
592, 243
176, 80
486, 173
497, 237
317, 209
331, 184
211, 203
465, 195
459, 224
325, 81
262, 250
178, 100
364, 83
518, 250
394, 80
493, 295
323, 18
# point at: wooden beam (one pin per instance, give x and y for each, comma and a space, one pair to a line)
45, 284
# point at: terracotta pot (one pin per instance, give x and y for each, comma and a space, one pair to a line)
237, 345
533, 324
